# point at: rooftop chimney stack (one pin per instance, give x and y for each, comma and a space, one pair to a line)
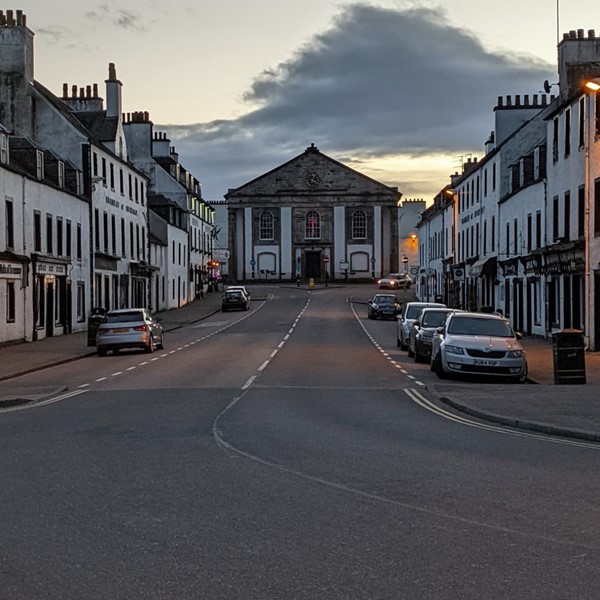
113, 93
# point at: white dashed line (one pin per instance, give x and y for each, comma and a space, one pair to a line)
263, 366
117, 373
130, 368
84, 385
153, 359
249, 382
143, 363
273, 353
101, 379
281, 344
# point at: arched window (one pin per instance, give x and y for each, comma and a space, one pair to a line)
359, 225
265, 226
313, 225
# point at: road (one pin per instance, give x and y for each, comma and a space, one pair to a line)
287, 452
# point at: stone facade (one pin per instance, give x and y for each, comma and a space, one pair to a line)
312, 217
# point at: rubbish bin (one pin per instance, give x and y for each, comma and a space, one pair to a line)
96, 317
569, 357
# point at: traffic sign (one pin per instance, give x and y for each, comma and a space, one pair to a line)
252, 263
326, 259
405, 259
373, 260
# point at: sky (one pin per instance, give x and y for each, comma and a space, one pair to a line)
401, 90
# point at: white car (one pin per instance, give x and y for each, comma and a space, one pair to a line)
478, 344
410, 311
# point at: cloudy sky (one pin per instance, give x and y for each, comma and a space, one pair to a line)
399, 90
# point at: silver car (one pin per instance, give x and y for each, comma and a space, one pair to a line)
410, 311
478, 344
129, 328
422, 330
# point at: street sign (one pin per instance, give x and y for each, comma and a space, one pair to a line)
405, 259
252, 263
373, 260
326, 259
344, 265
414, 270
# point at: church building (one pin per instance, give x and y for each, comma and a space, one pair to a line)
312, 218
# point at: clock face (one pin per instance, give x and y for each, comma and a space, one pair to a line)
312, 180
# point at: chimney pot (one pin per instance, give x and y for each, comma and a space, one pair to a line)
526, 99
591, 34
73, 91
580, 34
19, 18
508, 100
500, 101
65, 90
112, 72
88, 91
9, 18
81, 92
572, 34
95, 87
517, 100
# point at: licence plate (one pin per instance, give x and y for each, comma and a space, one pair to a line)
120, 330
485, 363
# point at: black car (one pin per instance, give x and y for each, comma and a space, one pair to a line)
235, 299
384, 306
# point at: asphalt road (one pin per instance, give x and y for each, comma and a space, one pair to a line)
286, 452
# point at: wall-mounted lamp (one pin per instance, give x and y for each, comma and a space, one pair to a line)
413, 238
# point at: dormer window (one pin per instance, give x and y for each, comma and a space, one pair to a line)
39, 156
61, 174
3, 149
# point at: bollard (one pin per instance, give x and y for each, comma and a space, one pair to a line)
311, 283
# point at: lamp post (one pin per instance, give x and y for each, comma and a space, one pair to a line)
591, 87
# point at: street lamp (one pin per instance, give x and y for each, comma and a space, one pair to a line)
591, 87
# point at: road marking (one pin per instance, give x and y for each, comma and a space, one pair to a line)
273, 353
249, 382
44, 402
263, 366
153, 359
130, 368
143, 363
117, 373
419, 399
84, 385
101, 379
281, 344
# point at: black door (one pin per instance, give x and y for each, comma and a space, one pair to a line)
313, 264
50, 310
528, 307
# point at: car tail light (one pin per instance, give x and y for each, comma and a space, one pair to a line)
140, 328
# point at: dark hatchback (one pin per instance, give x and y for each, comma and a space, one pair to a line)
234, 299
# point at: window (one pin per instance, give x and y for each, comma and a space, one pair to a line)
555, 218
123, 237
493, 233
79, 243
494, 177
581, 212
103, 175
59, 236
3, 149
10, 225
80, 301
130, 187
96, 229
37, 231
49, 241
113, 233
61, 174
567, 132
68, 240
567, 214
313, 225
538, 229
137, 241
39, 155
508, 239
121, 183
112, 176
359, 225
266, 230
105, 231
555, 140
95, 163
131, 254
485, 237
10, 302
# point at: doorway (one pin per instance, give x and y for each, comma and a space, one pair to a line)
50, 309
313, 264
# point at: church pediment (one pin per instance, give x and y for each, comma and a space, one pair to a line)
313, 173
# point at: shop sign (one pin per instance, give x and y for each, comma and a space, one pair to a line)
10, 270
51, 269
559, 264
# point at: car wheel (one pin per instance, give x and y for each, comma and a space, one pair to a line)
418, 355
403, 346
398, 342
101, 352
522, 378
437, 367
149, 349
161, 346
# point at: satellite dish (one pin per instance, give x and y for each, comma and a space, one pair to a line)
547, 86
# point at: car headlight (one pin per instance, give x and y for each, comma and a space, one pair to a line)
454, 349
516, 353
375, 306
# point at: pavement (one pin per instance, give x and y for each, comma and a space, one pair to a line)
571, 411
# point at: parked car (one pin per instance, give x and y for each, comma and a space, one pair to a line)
233, 288
129, 328
410, 311
422, 330
234, 299
384, 306
395, 281
478, 344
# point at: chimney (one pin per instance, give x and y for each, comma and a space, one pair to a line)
113, 93
65, 90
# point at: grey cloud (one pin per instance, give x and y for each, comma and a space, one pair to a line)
378, 82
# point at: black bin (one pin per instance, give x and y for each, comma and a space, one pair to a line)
96, 317
569, 357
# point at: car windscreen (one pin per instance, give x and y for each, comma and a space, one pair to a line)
384, 299
476, 326
413, 312
126, 317
433, 319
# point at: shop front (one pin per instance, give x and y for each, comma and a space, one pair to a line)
52, 308
13, 297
